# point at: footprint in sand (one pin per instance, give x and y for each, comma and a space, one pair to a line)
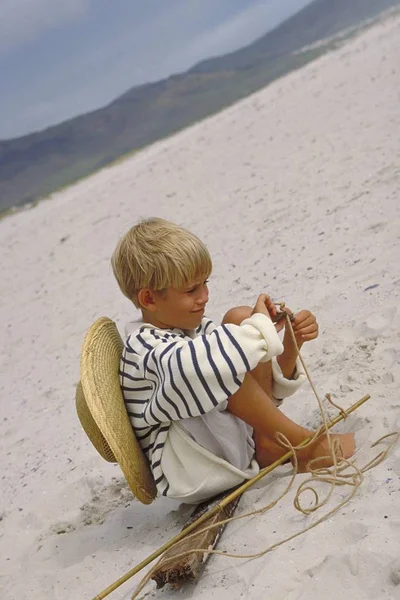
104, 500
371, 360
376, 324
354, 532
362, 574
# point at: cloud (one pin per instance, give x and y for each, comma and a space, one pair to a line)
25, 20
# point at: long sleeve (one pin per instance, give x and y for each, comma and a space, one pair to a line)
191, 377
282, 387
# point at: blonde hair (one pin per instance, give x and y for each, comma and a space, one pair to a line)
157, 254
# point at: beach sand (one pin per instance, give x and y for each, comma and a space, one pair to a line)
295, 190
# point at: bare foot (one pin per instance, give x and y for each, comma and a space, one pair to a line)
320, 454
267, 451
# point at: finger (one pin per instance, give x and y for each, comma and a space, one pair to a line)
261, 304
306, 329
303, 314
263, 299
304, 321
271, 306
268, 304
309, 337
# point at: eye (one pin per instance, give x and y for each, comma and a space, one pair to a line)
196, 287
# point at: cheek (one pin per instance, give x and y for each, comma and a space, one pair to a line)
184, 304
190, 302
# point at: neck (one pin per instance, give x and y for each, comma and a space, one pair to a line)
149, 317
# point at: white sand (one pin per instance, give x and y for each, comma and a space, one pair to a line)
296, 192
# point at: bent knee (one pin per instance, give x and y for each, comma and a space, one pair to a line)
237, 314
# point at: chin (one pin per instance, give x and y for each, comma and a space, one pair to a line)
195, 322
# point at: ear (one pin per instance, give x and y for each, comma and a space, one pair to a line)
147, 299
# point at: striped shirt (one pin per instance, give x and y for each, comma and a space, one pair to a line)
172, 374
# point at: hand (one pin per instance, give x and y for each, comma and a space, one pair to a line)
280, 320
305, 327
265, 306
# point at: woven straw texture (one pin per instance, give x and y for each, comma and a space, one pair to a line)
89, 425
101, 409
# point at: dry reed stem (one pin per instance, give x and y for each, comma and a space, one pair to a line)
333, 476
223, 502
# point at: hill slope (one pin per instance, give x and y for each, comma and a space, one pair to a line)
37, 164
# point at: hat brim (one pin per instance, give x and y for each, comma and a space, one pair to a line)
108, 420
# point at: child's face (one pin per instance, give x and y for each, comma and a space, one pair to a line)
182, 308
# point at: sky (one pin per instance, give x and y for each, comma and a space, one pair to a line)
61, 58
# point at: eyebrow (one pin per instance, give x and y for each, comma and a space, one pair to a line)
195, 284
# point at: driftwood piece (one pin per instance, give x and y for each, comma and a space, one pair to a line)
190, 567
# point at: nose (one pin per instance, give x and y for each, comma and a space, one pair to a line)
203, 297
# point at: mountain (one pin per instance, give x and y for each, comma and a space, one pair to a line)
37, 164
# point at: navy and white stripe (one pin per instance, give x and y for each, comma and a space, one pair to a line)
169, 375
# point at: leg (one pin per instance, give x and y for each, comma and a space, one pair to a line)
267, 451
253, 404
263, 372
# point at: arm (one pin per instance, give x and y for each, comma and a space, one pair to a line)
287, 360
191, 377
305, 328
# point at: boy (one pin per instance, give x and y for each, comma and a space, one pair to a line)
203, 399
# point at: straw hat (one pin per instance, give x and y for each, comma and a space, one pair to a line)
101, 409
